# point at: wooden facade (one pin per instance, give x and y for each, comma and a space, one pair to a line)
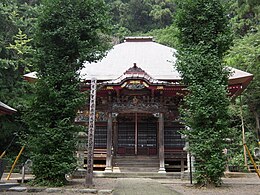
138, 116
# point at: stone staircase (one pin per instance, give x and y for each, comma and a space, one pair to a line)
134, 164
132, 167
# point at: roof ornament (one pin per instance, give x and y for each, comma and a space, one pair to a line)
135, 69
135, 73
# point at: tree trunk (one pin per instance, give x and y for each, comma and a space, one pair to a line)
243, 132
257, 122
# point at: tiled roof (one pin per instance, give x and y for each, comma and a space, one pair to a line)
155, 59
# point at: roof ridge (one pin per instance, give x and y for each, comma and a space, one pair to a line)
139, 39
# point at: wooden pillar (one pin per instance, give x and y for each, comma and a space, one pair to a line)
161, 143
115, 138
109, 143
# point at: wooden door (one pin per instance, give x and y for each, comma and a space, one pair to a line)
147, 138
137, 135
126, 138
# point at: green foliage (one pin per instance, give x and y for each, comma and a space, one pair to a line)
245, 55
213, 33
15, 59
166, 36
204, 36
245, 16
235, 144
23, 52
68, 33
141, 15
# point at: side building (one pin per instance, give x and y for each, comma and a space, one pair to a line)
5, 109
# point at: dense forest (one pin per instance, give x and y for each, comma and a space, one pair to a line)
155, 18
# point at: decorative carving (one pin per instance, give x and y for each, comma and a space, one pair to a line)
135, 86
137, 105
114, 115
156, 115
135, 101
101, 116
83, 116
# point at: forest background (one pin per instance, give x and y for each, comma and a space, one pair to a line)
129, 18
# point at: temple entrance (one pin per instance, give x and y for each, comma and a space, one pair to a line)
137, 134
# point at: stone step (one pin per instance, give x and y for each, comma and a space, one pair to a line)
138, 169
5, 186
133, 164
136, 160
81, 173
136, 157
152, 175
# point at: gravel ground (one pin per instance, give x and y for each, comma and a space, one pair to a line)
99, 184
231, 186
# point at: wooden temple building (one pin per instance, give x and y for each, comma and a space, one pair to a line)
137, 124
137, 118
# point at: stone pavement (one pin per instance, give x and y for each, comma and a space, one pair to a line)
141, 186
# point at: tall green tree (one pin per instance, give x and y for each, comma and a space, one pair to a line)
16, 51
204, 36
68, 33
